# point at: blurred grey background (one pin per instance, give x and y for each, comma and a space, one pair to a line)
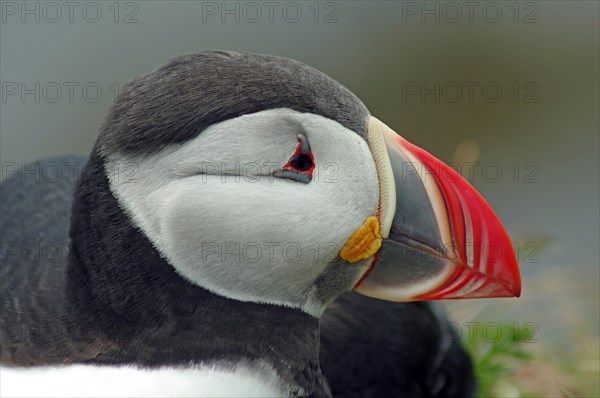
510, 86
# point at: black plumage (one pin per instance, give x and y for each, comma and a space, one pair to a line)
374, 348
180, 99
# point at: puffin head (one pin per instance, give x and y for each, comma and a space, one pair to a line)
263, 180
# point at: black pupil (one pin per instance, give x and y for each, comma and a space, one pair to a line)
301, 162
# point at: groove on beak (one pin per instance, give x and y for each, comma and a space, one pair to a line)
442, 239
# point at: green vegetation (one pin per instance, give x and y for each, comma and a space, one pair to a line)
495, 358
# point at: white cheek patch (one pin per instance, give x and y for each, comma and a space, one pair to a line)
253, 237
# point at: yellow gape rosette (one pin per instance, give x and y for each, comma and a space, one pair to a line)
363, 243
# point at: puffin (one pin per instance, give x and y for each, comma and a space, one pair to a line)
230, 198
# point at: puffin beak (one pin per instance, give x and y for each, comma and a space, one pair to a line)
441, 239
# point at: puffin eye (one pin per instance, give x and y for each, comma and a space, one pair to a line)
301, 165
301, 162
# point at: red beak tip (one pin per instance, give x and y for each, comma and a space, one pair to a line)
517, 292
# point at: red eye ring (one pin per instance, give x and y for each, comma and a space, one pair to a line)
301, 165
